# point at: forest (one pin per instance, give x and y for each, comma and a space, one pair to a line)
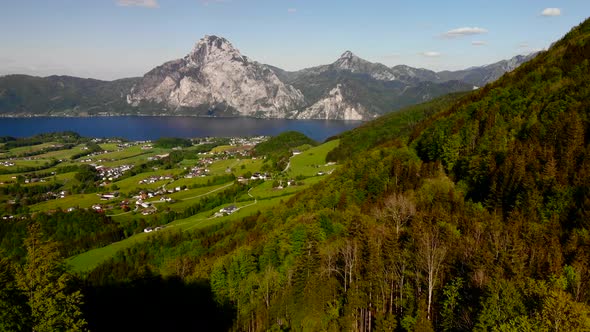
469, 213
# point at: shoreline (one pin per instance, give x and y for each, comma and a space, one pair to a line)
37, 116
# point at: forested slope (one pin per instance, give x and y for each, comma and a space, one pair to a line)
478, 222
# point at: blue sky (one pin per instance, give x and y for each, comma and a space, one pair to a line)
110, 39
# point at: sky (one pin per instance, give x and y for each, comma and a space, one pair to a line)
111, 39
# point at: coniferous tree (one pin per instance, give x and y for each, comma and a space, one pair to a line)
14, 311
47, 287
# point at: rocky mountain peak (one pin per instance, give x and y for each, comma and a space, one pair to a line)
349, 61
211, 48
348, 55
214, 78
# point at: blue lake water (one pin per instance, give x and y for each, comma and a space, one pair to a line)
152, 127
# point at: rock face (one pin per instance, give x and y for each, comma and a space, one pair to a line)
217, 77
335, 106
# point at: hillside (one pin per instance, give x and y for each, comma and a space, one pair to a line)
521, 143
478, 223
278, 149
389, 127
62, 96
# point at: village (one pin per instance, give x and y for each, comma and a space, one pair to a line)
143, 183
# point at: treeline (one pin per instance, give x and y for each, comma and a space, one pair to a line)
74, 232
91, 147
21, 197
62, 137
388, 127
278, 149
25, 169
172, 142
66, 146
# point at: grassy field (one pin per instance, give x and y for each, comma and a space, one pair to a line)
116, 155
195, 193
189, 197
109, 146
26, 149
7, 178
131, 184
312, 161
62, 154
220, 167
81, 201
20, 164
265, 190
62, 178
250, 165
221, 148
90, 259
187, 182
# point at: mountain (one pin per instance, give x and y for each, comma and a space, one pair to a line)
352, 88
480, 76
215, 79
22, 95
350, 62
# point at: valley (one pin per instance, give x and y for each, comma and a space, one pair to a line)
143, 187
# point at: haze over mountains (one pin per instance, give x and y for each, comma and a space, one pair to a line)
215, 79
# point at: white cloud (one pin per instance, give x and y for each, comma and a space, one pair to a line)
551, 12
292, 10
138, 3
478, 43
464, 31
431, 54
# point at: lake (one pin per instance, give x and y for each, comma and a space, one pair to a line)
153, 127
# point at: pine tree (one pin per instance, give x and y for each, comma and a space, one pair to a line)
46, 285
14, 311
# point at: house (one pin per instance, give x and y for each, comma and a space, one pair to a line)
148, 230
296, 152
108, 196
148, 211
259, 176
229, 209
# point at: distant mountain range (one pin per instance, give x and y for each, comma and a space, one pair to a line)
215, 79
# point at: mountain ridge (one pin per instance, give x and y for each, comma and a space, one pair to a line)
215, 79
